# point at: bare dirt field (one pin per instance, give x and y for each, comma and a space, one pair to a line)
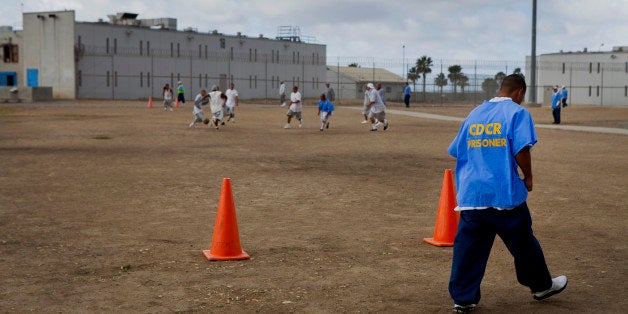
107, 206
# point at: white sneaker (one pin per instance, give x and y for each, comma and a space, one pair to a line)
233, 120
300, 123
287, 126
385, 125
377, 125
192, 125
558, 285
171, 109
365, 122
283, 104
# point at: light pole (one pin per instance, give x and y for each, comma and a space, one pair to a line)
403, 61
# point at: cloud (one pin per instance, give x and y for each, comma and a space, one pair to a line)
472, 29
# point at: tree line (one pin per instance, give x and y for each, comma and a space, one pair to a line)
456, 77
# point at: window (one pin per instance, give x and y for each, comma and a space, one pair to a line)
250, 81
589, 90
79, 78
148, 79
255, 81
625, 91
141, 79
222, 43
10, 53
298, 57
148, 48
597, 91
255, 55
115, 46
250, 54
590, 67
598, 67
141, 47
115, 78
107, 45
178, 50
272, 80
171, 50
563, 67
108, 84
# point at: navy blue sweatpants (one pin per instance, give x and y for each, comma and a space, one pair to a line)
473, 243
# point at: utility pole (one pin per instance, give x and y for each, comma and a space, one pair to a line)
533, 57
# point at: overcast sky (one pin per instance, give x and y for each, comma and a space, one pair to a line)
441, 29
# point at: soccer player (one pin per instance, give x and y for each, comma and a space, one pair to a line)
295, 107
325, 109
377, 109
232, 102
199, 101
216, 104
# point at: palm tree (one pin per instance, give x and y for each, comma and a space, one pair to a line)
489, 86
517, 71
440, 81
463, 80
499, 78
454, 75
424, 66
413, 75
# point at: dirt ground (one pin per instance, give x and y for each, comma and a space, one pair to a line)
107, 206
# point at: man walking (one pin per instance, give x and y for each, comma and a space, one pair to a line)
282, 94
493, 142
406, 95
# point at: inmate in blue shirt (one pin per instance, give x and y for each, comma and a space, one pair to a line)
325, 106
485, 149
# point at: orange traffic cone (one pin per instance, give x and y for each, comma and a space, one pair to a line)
176, 103
226, 240
447, 218
150, 102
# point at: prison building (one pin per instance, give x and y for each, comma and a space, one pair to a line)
591, 77
348, 82
130, 58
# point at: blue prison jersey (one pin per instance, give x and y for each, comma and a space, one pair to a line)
556, 100
325, 106
485, 149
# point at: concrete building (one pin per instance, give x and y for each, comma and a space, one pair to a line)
348, 82
592, 78
11, 56
129, 58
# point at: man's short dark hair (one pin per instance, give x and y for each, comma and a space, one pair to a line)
513, 82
